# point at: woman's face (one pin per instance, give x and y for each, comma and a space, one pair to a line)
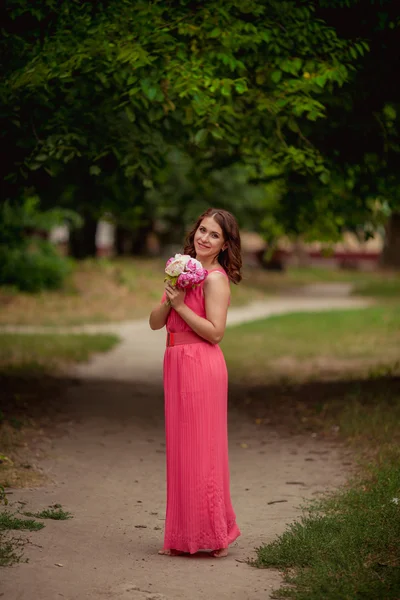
208, 240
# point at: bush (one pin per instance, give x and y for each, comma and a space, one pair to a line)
28, 263
32, 270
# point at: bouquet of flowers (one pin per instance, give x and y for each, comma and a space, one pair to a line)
183, 271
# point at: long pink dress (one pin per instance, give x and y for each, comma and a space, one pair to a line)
199, 511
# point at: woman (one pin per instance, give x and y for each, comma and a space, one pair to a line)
199, 511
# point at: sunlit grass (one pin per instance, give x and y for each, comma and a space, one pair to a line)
370, 336
43, 352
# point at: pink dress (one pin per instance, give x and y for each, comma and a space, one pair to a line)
199, 510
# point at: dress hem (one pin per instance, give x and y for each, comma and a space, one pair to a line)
214, 544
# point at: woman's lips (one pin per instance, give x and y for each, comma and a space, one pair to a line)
202, 246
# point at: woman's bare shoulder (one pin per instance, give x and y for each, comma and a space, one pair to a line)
217, 273
217, 280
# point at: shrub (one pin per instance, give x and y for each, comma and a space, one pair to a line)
30, 263
33, 269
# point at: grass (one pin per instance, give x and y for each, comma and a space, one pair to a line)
383, 289
35, 353
8, 521
11, 548
55, 512
105, 290
345, 545
311, 343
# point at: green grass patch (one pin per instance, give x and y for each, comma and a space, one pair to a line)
385, 288
55, 512
8, 521
345, 546
11, 548
35, 353
252, 349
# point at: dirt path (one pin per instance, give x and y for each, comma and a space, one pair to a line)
108, 469
139, 355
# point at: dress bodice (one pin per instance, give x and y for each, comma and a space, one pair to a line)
194, 299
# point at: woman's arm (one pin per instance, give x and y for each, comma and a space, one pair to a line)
216, 293
159, 315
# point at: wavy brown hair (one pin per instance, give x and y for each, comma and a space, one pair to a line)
230, 258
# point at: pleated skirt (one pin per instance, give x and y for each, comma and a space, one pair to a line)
199, 513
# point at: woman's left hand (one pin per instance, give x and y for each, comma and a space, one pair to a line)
176, 297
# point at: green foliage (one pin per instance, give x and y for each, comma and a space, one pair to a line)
19, 219
55, 512
188, 185
26, 261
97, 96
223, 84
33, 269
8, 520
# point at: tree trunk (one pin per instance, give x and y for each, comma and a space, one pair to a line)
391, 250
139, 238
300, 256
82, 242
123, 241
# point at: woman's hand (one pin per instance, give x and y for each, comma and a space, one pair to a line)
175, 297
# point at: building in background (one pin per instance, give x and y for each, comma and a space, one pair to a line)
349, 253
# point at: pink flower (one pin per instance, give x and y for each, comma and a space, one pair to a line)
199, 276
193, 265
184, 280
183, 271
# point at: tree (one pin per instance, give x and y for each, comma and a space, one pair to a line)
27, 260
360, 138
99, 94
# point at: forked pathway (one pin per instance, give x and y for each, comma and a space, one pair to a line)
108, 469
139, 355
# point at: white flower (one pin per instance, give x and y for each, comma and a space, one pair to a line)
396, 500
177, 265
